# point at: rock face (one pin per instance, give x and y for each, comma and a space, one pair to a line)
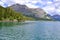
31, 12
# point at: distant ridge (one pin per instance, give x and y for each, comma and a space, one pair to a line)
32, 12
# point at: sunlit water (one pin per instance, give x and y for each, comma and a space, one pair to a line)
38, 30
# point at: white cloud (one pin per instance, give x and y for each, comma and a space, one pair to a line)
1, 3
32, 6
53, 7
50, 6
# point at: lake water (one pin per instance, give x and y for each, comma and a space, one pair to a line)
38, 30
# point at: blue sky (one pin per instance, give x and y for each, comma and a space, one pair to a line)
50, 6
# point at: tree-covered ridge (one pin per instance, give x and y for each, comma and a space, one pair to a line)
9, 14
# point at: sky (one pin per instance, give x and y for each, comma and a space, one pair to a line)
51, 7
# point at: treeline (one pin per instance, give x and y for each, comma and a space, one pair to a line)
9, 14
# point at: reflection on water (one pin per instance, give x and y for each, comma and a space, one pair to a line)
39, 30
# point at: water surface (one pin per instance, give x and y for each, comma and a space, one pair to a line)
38, 30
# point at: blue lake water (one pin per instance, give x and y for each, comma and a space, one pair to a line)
38, 30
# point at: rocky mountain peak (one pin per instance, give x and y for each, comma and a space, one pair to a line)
32, 12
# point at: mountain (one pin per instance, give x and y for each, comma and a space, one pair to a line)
56, 17
31, 12
8, 14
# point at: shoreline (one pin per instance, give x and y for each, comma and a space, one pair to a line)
21, 21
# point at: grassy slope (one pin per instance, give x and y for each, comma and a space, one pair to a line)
9, 14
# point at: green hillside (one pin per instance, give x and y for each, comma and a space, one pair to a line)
11, 15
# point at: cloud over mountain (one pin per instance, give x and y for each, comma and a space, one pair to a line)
50, 6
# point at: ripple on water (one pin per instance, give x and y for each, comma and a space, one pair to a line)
30, 31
